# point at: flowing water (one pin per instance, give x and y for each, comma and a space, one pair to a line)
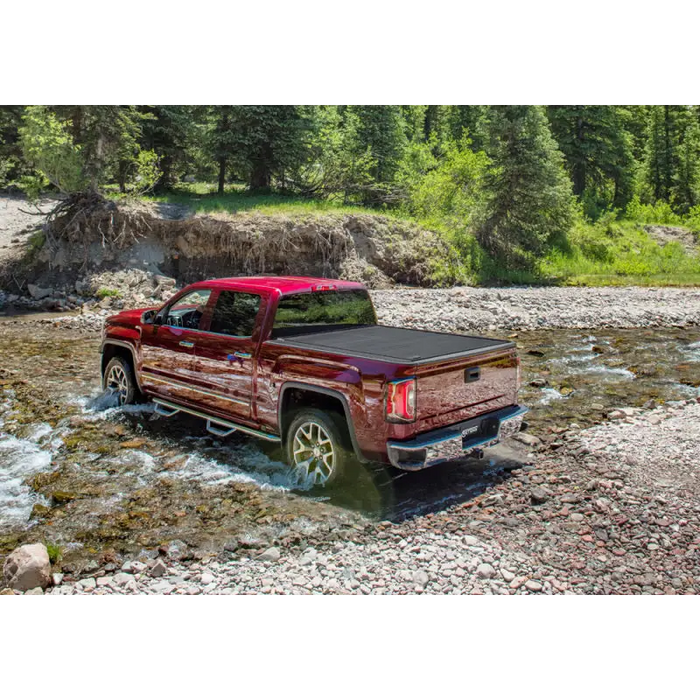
90, 477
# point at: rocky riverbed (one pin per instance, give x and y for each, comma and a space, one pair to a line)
135, 502
613, 509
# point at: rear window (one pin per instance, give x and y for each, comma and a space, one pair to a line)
317, 311
234, 314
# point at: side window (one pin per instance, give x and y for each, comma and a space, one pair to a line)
234, 314
187, 311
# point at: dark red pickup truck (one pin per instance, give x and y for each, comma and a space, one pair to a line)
302, 361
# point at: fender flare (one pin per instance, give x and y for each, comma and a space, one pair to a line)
130, 348
328, 392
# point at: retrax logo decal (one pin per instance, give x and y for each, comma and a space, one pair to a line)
470, 431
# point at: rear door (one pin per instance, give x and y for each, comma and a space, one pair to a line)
167, 347
225, 359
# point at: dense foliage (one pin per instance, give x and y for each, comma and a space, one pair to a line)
511, 184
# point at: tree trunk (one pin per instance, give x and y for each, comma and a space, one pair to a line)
579, 169
222, 175
260, 176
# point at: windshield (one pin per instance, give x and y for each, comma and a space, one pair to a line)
318, 311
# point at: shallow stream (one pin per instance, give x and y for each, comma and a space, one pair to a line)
93, 479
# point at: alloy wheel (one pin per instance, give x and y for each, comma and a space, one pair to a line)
118, 383
314, 455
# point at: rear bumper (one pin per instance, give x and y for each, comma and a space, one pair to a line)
455, 441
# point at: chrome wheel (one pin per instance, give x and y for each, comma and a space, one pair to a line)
313, 454
118, 383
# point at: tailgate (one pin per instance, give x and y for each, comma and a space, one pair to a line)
454, 390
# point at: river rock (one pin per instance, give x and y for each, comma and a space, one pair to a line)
270, 554
527, 439
37, 292
28, 567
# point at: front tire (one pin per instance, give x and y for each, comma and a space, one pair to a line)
316, 449
119, 380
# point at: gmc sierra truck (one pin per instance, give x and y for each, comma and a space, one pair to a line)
303, 362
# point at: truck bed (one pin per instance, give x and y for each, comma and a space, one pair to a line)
396, 345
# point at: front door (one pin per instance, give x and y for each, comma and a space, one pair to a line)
168, 348
225, 355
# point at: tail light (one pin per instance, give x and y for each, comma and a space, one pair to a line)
401, 401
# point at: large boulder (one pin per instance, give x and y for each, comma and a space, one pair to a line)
28, 567
37, 292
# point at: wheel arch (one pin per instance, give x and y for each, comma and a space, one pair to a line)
284, 412
118, 348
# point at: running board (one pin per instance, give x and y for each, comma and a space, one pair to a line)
220, 432
166, 412
228, 426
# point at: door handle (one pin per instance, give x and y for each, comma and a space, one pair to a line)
242, 355
186, 344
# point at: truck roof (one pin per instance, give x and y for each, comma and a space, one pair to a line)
283, 285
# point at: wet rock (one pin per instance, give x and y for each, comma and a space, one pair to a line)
58, 498
28, 567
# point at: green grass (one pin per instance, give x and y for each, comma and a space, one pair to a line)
104, 292
55, 552
619, 253
202, 198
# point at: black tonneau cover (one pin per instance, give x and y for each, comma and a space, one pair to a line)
397, 345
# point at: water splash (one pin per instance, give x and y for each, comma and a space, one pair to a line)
549, 395
19, 459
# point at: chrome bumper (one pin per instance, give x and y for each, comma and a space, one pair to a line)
455, 441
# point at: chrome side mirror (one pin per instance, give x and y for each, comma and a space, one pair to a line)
148, 316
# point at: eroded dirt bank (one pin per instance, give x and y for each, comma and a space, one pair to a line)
377, 249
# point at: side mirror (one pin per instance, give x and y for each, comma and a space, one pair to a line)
148, 316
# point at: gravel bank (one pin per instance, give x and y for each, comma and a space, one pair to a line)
475, 309
597, 512
461, 309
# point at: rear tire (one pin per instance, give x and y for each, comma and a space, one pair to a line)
316, 447
119, 379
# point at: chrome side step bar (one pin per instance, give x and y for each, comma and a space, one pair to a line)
212, 422
220, 432
166, 412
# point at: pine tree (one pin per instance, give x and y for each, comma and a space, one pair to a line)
598, 153
528, 195
261, 142
170, 131
672, 156
467, 118
12, 166
108, 138
381, 131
